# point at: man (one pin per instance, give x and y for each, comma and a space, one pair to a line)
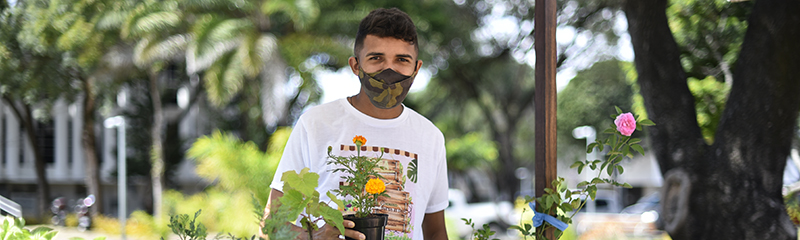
386, 63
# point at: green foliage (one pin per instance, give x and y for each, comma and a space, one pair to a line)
480, 234
584, 100
187, 229
563, 203
470, 151
358, 170
710, 96
300, 198
14, 229
140, 225
237, 165
223, 211
709, 34
792, 207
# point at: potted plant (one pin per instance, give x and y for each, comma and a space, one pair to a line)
361, 188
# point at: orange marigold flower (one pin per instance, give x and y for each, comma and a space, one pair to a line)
359, 140
375, 186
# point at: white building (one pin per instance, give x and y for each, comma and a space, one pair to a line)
60, 140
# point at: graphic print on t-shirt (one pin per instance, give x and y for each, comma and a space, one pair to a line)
400, 183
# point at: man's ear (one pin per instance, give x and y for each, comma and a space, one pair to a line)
353, 62
419, 66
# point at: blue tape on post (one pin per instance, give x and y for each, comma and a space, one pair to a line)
539, 218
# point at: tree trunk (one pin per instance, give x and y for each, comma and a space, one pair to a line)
157, 153
92, 166
43, 187
731, 189
508, 184
41, 175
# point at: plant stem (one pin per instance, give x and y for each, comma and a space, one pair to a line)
310, 230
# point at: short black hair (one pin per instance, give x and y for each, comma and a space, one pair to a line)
383, 22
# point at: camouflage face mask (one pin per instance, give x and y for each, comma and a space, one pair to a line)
386, 88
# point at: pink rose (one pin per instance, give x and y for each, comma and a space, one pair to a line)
625, 123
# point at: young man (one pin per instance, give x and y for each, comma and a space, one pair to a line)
386, 63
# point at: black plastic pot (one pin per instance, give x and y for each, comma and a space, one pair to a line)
372, 226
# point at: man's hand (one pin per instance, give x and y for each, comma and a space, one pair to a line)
331, 232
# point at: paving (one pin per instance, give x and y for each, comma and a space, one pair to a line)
68, 233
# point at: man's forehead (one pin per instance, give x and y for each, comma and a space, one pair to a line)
374, 45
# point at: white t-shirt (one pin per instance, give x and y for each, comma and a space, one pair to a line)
415, 162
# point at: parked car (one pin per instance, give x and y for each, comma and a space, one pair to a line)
637, 220
649, 207
499, 215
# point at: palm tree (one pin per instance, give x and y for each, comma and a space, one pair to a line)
229, 44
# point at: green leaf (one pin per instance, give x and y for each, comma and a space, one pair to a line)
332, 216
41, 230
610, 131
610, 171
576, 203
591, 147
592, 191
515, 227
604, 165
597, 180
580, 169
638, 148
634, 141
619, 111
576, 164
305, 181
566, 207
335, 199
626, 185
626, 150
583, 184
620, 169
646, 122
294, 200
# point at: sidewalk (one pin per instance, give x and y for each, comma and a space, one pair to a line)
66, 233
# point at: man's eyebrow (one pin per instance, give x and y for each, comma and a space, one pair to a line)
375, 54
405, 56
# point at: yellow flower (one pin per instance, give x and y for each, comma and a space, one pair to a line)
359, 140
375, 186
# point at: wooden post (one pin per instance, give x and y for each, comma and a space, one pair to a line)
545, 100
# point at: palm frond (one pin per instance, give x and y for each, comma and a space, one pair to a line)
247, 53
151, 49
213, 28
75, 35
220, 5
157, 22
196, 63
223, 80
215, 36
302, 12
112, 20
